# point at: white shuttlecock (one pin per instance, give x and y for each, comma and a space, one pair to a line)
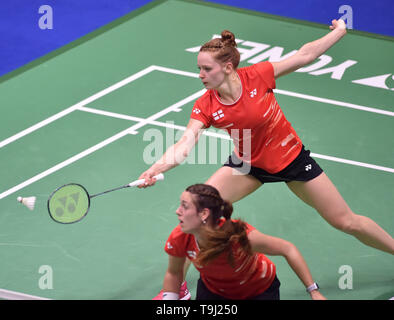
28, 202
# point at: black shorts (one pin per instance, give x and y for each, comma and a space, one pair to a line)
303, 168
272, 293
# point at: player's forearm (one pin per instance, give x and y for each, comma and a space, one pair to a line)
315, 49
174, 156
167, 161
172, 282
177, 153
299, 266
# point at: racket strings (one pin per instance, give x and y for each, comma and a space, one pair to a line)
69, 203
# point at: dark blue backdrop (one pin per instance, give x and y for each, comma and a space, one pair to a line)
23, 41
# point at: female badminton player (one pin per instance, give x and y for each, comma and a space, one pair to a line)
239, 99
229, 254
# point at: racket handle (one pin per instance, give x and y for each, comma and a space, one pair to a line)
135, 183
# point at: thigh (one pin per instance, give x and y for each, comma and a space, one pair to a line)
232, 185
321, 194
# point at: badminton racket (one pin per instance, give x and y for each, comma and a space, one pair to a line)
71, 202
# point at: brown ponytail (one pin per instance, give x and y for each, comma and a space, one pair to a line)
217, 240
224, 48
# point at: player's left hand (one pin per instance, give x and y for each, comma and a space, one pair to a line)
316, 295
338, 24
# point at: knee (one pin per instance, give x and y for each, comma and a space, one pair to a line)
347, 222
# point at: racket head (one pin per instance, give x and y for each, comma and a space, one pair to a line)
69, 203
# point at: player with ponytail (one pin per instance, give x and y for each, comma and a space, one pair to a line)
229, 254
220, 232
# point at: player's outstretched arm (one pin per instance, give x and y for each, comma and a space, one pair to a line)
311, 50
275, 246
175, 154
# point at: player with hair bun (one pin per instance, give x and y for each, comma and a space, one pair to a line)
267, 148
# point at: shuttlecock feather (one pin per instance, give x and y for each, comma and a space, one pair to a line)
28, 201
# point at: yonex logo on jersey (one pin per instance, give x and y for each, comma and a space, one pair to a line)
253, 93
217, 115
196, 111
192, 254
308, 167
169, 246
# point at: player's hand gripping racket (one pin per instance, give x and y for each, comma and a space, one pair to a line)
70, 203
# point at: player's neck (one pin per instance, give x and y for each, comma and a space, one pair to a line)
230, 90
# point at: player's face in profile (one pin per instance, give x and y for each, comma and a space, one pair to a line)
212, 72
189, 219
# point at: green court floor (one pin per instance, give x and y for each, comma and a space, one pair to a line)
89, 113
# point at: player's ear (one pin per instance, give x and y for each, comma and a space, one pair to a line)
228, 67
204, 214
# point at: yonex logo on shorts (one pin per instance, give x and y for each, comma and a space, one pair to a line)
308, 167
217, 115
196, 111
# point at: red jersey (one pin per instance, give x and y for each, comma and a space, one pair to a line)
261, 134
250, 276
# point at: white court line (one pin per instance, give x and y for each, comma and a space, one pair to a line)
351, 162
76, 106
65, 163
155, 123
178, 72
130, 130
334, 102
174, 107
94, 97
294, 94
227, 137
13, 295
